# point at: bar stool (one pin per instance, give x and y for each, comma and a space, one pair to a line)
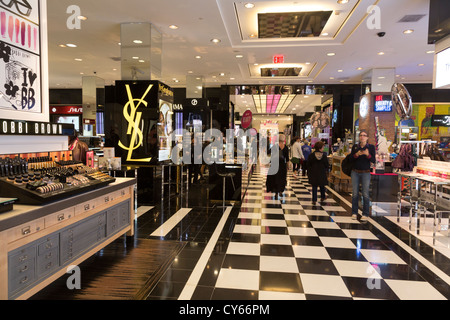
220, 169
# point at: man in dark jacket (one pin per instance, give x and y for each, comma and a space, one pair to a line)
317, 167
362, 155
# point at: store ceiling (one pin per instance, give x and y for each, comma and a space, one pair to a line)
239, 55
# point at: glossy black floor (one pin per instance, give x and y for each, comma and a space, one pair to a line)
270, 249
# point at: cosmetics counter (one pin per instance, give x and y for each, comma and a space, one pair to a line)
55, 214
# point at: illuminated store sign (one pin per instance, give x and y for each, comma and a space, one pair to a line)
442, 70
143, 122
440, 121
383, 103
134, 122
17, 127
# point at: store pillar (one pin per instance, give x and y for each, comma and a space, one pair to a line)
141, 51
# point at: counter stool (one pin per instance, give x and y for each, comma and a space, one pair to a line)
220, 169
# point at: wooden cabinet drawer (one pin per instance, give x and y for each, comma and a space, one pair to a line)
25, 230
85, 206
59, 217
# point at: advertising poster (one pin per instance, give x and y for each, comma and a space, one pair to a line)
20, 59
165, 129
425, 113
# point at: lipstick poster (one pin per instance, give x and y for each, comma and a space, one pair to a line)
20, 60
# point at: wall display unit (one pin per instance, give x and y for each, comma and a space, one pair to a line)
24, 60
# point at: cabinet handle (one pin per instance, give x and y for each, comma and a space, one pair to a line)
86, 207
107, 199
48, 245
122, 192
24, 280
23, 258
23, 269
61, 217
26, 230
48, 256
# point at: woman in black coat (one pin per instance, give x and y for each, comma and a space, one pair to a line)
277, 179
317, 168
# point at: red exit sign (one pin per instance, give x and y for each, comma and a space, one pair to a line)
278, 59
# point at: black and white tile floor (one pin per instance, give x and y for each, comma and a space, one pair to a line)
288, 248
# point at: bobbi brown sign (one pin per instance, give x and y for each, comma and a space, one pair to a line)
17, 127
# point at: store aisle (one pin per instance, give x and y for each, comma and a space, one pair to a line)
290, 249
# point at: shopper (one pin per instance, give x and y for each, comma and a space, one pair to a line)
362, 155
306, 150
317, 166
277, 179
78, 148
297, 155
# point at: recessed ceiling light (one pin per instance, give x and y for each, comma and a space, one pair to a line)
137, 41
198, 57
380, 53
82, 18
330, 54
252, 36
141, 61
249, 5
324, 34
78, 59
239, 56
331, 78
215, 40
408, 31
71, 45
430, 51
421, 64
359, 68
135, 58
62, 46
340, 70
342, 1
190, 71
173, 27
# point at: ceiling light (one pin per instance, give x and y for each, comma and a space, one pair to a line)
331, 54
430, 51
71, 45
421, 64
249, 5
252, 36
78, 59
215, 40
136, 58
198, 57
380, 53
173, 27
137, 41
82, 18
359, 68
62, 45
324, 34
340, 70
141, 61
408, 31
342, 1
239, 56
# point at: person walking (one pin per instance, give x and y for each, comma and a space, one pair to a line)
297, 155
362, 155
317, 166
277, 179
306, 150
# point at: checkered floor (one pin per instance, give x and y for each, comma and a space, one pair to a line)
288, 248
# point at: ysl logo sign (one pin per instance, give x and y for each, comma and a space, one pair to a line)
134, 119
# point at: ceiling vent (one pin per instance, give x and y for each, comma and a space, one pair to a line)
412, 18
